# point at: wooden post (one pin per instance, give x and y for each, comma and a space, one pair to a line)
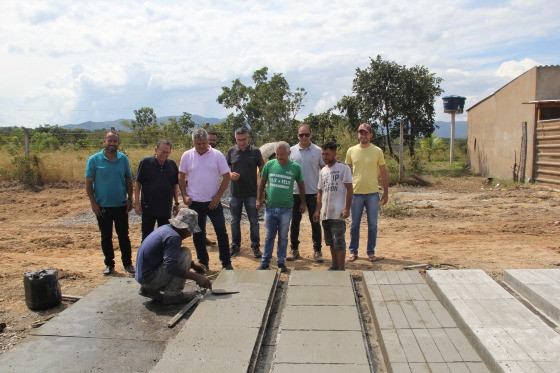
401, 153
26, 141
523, 152
452, 140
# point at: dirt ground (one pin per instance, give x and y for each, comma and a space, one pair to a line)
447, 222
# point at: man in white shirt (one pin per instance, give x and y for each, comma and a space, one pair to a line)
204, 166
308, 156
334, 200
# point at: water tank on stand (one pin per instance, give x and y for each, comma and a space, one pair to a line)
453, 104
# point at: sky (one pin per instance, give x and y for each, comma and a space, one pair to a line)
67, 62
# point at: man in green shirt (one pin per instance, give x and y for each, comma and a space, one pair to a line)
278, 176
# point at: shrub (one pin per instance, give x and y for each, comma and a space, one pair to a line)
26, 170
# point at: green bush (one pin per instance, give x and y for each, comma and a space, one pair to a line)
26, 170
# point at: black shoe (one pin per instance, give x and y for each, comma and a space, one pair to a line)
178, 298
234, 251
228, 267
150, 293
282, 268
333, 268
256, 252
108, 270
263, 267
130, 269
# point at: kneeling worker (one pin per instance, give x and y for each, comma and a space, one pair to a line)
162, 264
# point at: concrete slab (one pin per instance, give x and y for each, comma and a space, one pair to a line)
320, 329
320, 368
99, 332
320, 296
225, 331
541, 287
320, 318
320, 278
415, 331
70, 354
504, 332
209, 349
319, 346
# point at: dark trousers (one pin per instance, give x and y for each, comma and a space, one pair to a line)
219, 223
105, 223
311, 202
148, 222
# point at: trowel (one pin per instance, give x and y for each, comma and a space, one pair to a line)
219, 291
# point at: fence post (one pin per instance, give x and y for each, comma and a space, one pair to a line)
26, 141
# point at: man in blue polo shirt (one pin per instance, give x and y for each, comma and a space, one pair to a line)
157, 183
108, 183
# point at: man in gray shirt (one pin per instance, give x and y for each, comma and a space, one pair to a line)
308, 156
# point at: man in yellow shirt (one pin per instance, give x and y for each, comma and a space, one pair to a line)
367, 163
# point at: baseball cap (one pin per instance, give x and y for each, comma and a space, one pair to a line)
186, 219
364, 126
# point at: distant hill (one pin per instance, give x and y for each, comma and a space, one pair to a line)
444, 130
91, 126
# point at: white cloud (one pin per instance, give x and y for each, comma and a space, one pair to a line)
69, 61
512, 69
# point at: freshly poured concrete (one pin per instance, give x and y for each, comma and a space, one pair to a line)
416, 332
541, 287
110, 329
320, 328
508, 336
224, 332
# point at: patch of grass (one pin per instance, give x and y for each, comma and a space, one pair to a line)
444, 168
395, 208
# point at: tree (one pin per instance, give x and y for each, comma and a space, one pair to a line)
386, 94
325, 126
431, 145
178, 130
417, 106
145, 128
268, 109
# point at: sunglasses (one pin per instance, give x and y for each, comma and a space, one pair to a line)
304, 134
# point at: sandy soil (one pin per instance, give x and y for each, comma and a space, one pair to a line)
450, 222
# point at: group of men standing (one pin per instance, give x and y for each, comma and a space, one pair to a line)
303, 177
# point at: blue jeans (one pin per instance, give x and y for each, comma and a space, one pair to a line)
235, 206
371, 203
277, 220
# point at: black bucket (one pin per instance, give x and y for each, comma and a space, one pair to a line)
42, 290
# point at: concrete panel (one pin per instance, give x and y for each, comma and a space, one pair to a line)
74, 354
225, 331
324, 347
320, 278
99, 332
416, 332
245, 277
320, 368
541, 287
504, 332
320, 296
233, 312
209, 349
320, 318
113, 310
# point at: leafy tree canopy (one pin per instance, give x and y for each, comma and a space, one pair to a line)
268, 109
386, 94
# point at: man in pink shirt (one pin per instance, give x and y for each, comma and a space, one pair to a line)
203, 166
